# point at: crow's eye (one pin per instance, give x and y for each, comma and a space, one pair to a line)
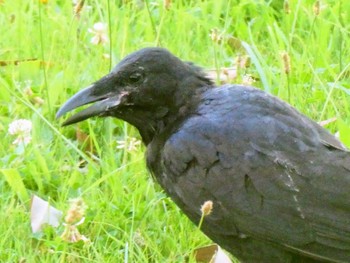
135, 77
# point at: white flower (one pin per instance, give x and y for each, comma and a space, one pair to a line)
130, 144
100, 35
247, 80
22, 129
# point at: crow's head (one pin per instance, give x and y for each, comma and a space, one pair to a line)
147, 88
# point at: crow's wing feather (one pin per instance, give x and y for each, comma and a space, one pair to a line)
268, 169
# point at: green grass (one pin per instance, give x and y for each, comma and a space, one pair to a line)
129, 218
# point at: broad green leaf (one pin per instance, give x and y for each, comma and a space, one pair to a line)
344, 132
15, 181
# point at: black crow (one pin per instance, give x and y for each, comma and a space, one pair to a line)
279, 182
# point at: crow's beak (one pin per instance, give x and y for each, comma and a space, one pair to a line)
103, 103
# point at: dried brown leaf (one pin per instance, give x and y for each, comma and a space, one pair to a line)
211, 254
85, 140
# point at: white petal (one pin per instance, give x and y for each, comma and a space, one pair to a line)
41, 212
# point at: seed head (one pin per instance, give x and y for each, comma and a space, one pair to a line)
286, 7
207, 208
78, 7
317, 8
76, 211
215, 35
286, 62
167, 4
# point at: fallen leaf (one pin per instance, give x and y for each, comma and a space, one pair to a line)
41, 213
211, 254
85, 140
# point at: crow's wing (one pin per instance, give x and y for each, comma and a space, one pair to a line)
272, 173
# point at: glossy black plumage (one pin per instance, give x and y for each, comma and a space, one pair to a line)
279, 182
